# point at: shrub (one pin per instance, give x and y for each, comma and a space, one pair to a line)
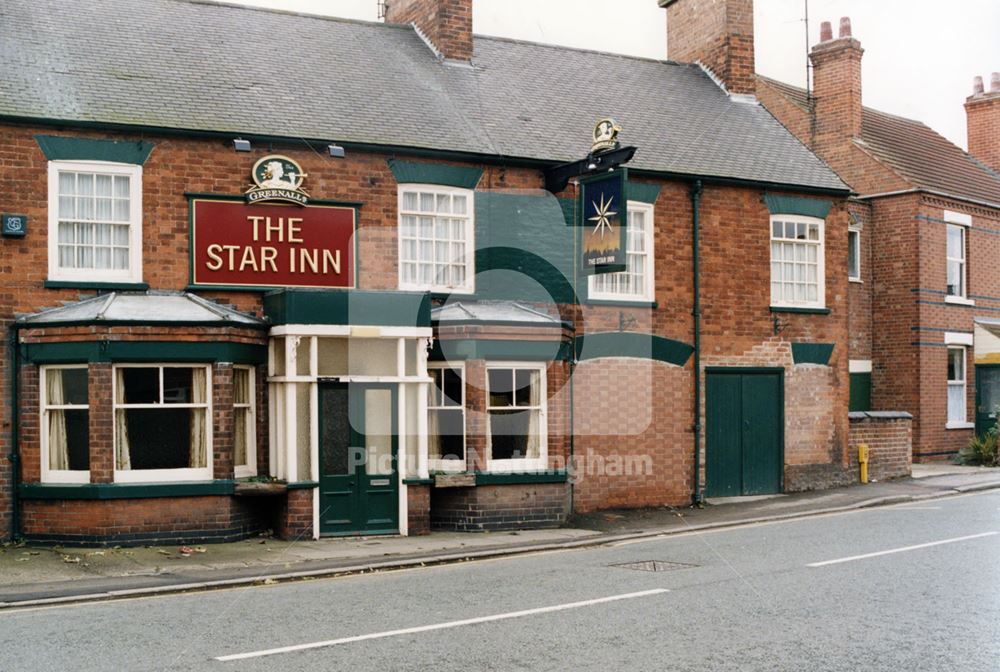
982, 449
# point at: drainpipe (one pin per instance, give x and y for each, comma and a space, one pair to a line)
15, 457
696, 189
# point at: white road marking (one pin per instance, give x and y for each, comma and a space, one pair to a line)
919, 508
442, 626
901, 550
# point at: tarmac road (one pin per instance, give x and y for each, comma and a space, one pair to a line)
909, 587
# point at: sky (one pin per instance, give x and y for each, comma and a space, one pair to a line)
920, 55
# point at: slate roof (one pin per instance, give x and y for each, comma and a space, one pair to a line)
492, 312
195, 65
916, 152
152, 307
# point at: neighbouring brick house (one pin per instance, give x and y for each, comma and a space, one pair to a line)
924, 242
414, 342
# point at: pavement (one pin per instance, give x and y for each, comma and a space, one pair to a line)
32, 575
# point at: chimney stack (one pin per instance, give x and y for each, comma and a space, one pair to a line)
446, 24
837, 84
982, 112
716, 33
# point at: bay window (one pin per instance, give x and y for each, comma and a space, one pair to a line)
797, 262
436, 238
515, 408
244, 422
446, 417
162, 423
65, 424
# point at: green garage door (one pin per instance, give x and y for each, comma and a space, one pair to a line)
744, 432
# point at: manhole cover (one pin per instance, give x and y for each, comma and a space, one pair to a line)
654, 565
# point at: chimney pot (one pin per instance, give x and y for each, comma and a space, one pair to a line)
825, 32
845, 26
977, 85
995, 82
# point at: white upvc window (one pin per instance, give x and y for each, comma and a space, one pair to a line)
436, 234
956, 278
854, 255
162, 422
957, 418
95, 221
636, 282
244, 421
65, 424
446, 417
516, 432
797, 262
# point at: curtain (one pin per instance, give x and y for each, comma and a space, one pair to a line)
534, 426
58, 444
198, 438
123, 449
434, 447
241, 395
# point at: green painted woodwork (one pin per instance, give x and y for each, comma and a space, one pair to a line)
62, 148
410, 172
303, 485
643, 192
812, 353
353, 501
487, 348
797, 205
124, 490
987, 396
861, 392
143, 351
800, 311
488, 478
631, 344
418, 481
113, 286
744, 433
348, 307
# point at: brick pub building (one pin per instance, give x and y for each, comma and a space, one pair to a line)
410, 340
924, 241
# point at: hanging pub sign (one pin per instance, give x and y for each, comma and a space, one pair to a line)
603, 202
277, 178
234, 244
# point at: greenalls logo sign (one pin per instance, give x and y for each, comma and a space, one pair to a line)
277, 178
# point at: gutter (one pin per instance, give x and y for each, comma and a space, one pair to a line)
696, 189
931, 192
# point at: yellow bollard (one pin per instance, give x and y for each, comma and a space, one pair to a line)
863, 461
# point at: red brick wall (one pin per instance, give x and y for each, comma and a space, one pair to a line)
101, 414
983, 121
888, 437
837, 89
719, 34
135, 521
294, 519
418, 509
446, 23
499, 507
633, 443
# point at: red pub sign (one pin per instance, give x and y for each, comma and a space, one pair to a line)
270, 245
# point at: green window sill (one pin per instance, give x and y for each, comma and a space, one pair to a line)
803, 311
120, 286
124, 490
500, 478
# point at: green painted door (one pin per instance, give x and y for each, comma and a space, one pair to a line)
744, 433
359, 491
987, 396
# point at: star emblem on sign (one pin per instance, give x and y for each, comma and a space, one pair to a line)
603, 216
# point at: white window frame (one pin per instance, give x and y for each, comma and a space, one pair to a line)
57, 475
450, 465
160, 475
855, 232
960, 222
956, 423
133, 274
820, 301
469, 287
649, 290
541, 463
250, 468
